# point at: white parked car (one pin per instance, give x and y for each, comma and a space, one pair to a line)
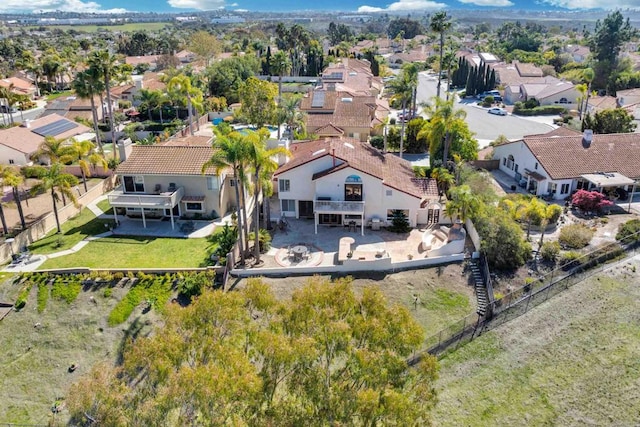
497, 111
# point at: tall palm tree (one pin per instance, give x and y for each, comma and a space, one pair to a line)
87, 86
440, 24
151, 100
293, 117
103, 63
12, 178
51, 148
56, 181
402, 89
11, 99
180, 87
280, 65
262, 164
444, 179
230, 151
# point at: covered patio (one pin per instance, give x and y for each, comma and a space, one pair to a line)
149, 205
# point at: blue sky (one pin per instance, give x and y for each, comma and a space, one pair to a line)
284, 5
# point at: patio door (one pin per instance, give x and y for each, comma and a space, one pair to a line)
330, 219
176, 212
305, 208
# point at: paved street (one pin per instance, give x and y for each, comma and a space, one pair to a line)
26, 115
487, 127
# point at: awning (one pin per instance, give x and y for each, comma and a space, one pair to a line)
535, 175
608, 179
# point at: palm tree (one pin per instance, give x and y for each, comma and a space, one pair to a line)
103, 63
402, 88
79, 151
56, 181
263, 166
293, 117
445, 120
180, 87
462, 204
151, 100
587, 75
440, 24
11, 97
384, 125
444, 179
230, 151
87, 86
12, 178
280, 64
51, 148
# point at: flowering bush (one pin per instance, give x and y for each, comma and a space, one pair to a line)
590, 200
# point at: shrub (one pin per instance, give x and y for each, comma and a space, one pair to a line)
570, 259
66, 291
377, 141
33, 171
264, 239
629, 232
23, 296
590, 200
488, 101
107, 292
43, 296
548, 110
550, 251
224, 239
575, 236
192, 284
154, 289
554, 212
399, 222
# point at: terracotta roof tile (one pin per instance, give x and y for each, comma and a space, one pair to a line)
166, 160
394, 172
566, 157
190, 141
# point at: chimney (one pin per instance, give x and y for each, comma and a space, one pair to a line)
333, 156
587, 137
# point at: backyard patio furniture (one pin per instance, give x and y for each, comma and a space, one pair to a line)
298, 252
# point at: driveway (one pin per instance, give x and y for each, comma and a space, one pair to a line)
487, 127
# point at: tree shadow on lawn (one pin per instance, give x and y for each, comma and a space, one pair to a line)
91, 228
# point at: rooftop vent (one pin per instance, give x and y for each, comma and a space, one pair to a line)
347, 99
587, 137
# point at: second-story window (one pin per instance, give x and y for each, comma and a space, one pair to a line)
284, 185
133, 184
353, 188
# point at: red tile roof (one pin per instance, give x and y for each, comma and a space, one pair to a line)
166, 160
393, 171
567, 157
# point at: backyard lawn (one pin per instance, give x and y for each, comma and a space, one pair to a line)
136, 252
572, 361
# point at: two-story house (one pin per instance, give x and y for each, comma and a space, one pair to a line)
166, 181
345, 181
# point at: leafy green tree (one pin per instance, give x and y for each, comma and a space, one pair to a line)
245, 358
258, 98
502, 239
205, 45
226, 76
404, 27
440, 23
462, 203
616, 120
56, 181
606, 42
416, 143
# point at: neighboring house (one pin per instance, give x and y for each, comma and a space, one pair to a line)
578, 53
552, 92
351, 75
186, 56
396, 60
561, 161
20, 86
73, 107
347, 182
18, 144
129, 92
166, 181
516, 73
150, 60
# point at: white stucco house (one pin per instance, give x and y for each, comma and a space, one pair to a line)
561, 161
340, 182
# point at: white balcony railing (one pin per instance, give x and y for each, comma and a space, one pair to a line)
336, 206
120, 199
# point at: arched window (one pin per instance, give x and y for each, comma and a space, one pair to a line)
510, 161
353, 188
564, 101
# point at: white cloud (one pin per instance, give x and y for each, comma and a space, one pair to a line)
403, 5
490, 3
53, 5
241, 10
594, 4
197, 4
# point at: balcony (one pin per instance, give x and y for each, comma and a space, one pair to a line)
120, 199
338, 207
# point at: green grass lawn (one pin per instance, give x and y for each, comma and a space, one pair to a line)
53, 96
140, 252
73, 231
574, 360
105, 207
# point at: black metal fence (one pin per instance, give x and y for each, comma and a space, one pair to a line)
531, 294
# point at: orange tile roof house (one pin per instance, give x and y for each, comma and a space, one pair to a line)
340, 180
558, 163
20, 86
17, 144
166, 181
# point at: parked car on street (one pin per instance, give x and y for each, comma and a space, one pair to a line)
497, 111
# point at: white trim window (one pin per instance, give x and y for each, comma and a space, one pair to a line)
288, 205
212, 183
564, 188
284, 185
194, 206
